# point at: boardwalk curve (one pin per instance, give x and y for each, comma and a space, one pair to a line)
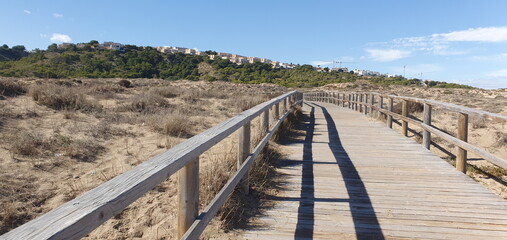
354, 178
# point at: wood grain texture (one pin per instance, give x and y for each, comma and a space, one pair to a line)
366, 181
80, 216
188, 195
427, 120
461, 156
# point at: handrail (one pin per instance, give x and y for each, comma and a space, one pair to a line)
355, 101
78, 217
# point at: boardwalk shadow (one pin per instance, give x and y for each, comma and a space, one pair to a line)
363, 215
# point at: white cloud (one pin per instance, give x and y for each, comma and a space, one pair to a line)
321, 62
57, 15
500, 73
387, 55
444, 44
58, 37
487, 34
27, 11
502, 57
42, 35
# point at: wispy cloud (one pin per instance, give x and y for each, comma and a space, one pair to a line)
58, 38
486, 34
502, 73
387, 55
321, 62
502, 57
27, 11
57, 15
444, 44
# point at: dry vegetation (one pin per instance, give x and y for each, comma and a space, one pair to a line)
484, 133
61, 138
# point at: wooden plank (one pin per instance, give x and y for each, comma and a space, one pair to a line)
388, 172
80, 216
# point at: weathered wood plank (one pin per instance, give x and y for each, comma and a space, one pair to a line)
412, 193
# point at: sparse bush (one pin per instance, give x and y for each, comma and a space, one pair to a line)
477, 121
146, 103
11, 88
174, 125
167, 92
36, 145
501, 139
62, 98
243, 103
413, 107
26, 144
125, 83
19, 199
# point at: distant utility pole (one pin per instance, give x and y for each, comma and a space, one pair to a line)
404, 66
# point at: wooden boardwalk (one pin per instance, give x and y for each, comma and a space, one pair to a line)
354, 178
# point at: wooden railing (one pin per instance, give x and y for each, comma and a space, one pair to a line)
369, 102
82, 215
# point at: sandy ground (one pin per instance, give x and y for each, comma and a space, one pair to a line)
484, 133
122, 134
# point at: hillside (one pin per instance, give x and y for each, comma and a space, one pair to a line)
146, 62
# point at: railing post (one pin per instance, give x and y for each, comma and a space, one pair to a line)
265, 121
361, 102
380, 104
427, 121
285, 105
372, 103
349, 104
390, 109
358, 103
337, 99
461, 157
404, 112
277, 111
354, 98
366, 103
243, 151
188, 195
343, 100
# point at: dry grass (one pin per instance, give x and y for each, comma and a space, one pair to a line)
62, 98
413, 107
242, 103
116, 127
239, 207
11, 88
172, 124
146, 103
19, 199
31, 144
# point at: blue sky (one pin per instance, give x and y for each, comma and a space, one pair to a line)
455, 41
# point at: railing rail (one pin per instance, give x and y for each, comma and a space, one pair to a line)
80, 216
372, 101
